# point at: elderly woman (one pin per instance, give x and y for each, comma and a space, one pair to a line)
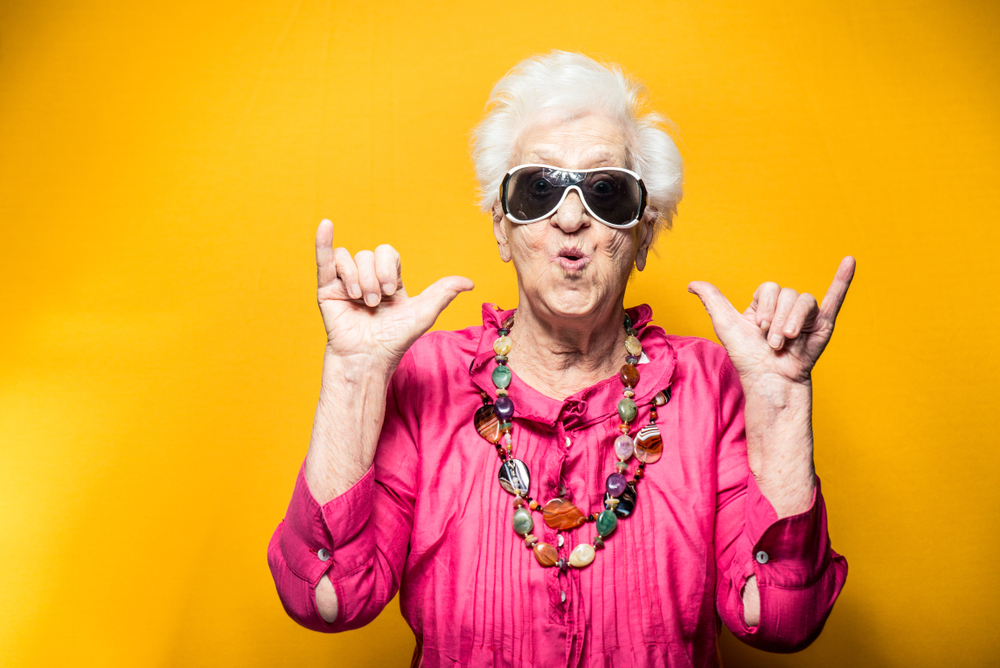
564, 484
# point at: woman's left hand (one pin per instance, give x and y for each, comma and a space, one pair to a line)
782, 333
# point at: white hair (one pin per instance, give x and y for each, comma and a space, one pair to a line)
571, 85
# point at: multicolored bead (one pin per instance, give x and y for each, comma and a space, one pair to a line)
627, 410
624, 447
514, 477
523, 522
487, 423
661, 398
546, 554
632, 345
616, 484
562, 515
606, 523
648, 444
501, 376
629, 375
626, 502
504, 408
502, 345
582, 555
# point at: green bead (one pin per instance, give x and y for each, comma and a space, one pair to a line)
501, 377
606, 523
523, 522
628, 322
627, 410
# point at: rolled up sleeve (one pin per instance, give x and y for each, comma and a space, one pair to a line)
798, 574
313, 541
359, 539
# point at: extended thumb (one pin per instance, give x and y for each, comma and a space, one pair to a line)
440, 293
718, 307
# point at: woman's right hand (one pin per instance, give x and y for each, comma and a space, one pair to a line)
367, 313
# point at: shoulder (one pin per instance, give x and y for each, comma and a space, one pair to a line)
700, 357
696, 347
447, 346
438, 356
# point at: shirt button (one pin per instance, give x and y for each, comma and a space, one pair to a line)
560, 541
568, 442
323, 554
761, 557
562, 596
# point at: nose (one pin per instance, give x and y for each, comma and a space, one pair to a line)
571, 214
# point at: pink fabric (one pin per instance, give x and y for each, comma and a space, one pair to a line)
431, 521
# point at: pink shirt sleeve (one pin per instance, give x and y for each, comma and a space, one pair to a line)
798, 573
359, 539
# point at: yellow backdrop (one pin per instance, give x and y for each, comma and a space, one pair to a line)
163, 167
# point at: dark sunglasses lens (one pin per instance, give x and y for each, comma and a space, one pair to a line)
615, 197
531, 193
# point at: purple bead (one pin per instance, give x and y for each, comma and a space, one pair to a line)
623, 447
616, 484
504, 408
632, 359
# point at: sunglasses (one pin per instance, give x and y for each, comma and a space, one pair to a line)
612, 195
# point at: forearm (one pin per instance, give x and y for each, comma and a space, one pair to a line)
346, 428
778, 417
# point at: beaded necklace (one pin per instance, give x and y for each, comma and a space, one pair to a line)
494, 422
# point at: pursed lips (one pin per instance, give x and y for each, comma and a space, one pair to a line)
572, 259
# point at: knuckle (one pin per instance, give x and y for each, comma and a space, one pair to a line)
346, 269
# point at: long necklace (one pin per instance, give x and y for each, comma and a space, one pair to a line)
494, 422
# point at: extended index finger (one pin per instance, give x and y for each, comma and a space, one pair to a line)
837, 291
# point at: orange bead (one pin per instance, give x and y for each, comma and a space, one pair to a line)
546, 554
629, 375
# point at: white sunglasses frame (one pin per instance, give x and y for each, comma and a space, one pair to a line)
579, 192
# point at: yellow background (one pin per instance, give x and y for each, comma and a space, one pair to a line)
163, 167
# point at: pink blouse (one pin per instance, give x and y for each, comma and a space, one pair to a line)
430, 521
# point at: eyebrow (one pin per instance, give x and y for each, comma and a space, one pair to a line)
603, 159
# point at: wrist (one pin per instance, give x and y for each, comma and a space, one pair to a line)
777, 391
355, 371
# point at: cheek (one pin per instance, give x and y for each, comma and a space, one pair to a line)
527, 251
621, 248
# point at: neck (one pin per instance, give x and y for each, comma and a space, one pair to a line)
560, 356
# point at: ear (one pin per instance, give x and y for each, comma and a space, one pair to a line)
500, 230
647, 228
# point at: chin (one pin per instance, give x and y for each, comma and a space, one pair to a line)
576, 307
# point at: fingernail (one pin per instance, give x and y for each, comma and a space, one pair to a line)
355, 292
371, 299
776, 341
388, 288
